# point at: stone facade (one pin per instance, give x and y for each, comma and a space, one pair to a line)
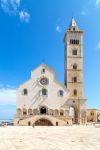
42, 99
93, 116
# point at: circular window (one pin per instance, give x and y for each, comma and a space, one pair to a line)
44, 81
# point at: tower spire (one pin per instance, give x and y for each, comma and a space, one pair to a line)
73, 25
73, 22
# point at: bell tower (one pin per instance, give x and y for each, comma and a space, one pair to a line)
73, 66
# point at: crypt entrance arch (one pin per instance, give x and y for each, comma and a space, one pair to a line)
43, 122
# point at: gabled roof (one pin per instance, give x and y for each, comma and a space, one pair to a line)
45, 66
50, 70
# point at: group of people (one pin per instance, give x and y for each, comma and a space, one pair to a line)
3, 124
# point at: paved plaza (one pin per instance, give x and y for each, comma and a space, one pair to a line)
50, 138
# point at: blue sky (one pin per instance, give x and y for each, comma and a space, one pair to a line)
33, 31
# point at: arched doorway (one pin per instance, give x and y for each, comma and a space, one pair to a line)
76, 115
73, 112
29, 123
43, 122
43, 110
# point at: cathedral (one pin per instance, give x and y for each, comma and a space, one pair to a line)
43, 101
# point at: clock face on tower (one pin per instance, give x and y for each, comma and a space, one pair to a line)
44, 81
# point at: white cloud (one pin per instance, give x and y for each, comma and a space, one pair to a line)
98, 45
98, 3
58, 28
10, 6
24, 16
7, 96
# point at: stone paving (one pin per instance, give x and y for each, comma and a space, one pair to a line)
50, 138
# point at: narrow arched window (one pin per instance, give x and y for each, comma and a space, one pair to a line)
75, 92
25, 91
74, 41
78, 42
61, 93
75, 66
74, 52
43, 70
92, 113
74, 79
44, 92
